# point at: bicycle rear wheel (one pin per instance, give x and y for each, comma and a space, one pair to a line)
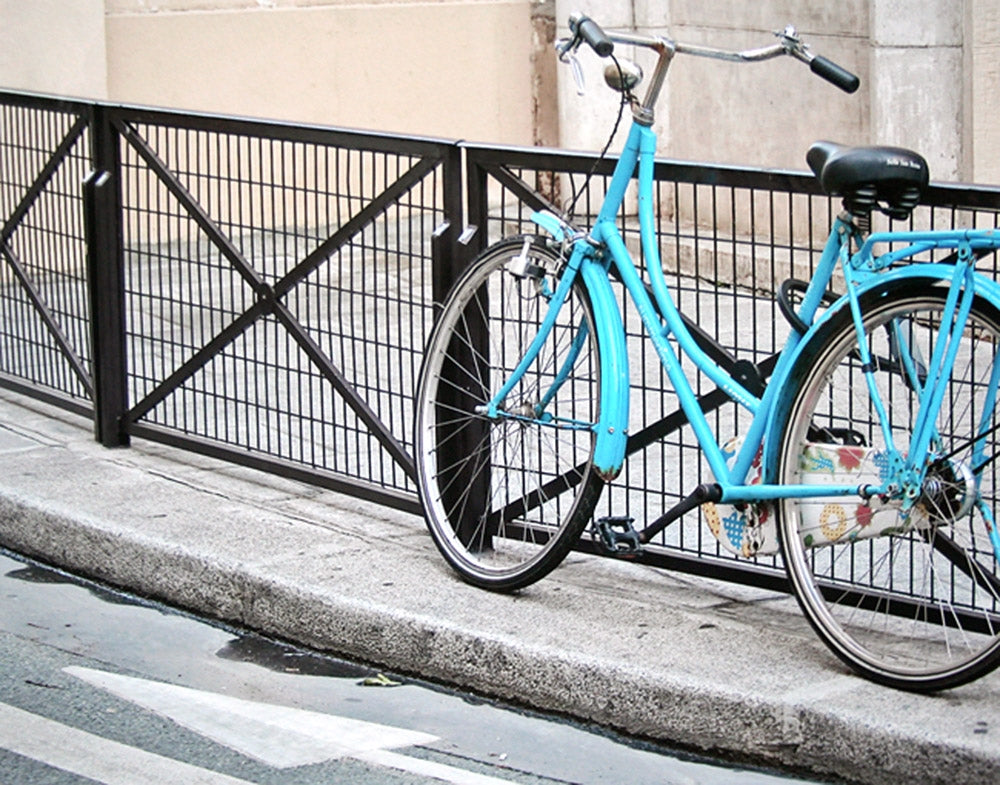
909, 601
505, 498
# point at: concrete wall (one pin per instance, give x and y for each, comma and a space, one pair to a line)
913, 57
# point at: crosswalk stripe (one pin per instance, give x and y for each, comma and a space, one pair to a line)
87, 755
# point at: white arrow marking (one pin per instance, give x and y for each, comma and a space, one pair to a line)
278, 735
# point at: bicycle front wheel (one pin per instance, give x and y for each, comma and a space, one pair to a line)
909, 598
506, 497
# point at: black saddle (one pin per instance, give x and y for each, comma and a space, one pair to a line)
888, 178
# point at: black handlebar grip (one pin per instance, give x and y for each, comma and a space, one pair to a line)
591, 32
834, 74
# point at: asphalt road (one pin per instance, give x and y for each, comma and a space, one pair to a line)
100, 686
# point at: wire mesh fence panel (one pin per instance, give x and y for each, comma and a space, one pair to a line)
44, 308
278, 291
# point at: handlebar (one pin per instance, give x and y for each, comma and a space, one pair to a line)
834, 74
586, 30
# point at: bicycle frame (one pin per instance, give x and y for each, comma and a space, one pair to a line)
609, 454
592, 256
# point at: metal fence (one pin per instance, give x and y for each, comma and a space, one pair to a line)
262, 292
44, 311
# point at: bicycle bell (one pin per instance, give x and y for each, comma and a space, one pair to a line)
622, 75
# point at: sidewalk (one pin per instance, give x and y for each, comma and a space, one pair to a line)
705, 665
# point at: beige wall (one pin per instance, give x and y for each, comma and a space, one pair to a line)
482, 70
454, 69
53, 46
451, 68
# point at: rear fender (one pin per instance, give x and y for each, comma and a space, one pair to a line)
879, 286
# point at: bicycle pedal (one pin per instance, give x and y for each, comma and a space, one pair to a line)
616, 537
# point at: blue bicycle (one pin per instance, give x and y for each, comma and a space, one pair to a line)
870, 460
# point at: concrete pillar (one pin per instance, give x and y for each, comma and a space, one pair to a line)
585, 121
544, 95
917, 79
982, 81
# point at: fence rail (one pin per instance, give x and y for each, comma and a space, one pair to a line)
261, 292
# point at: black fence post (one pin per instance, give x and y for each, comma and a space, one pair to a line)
475, 237
448, 260
106, 281
464, 357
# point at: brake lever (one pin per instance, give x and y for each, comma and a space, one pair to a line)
566, 49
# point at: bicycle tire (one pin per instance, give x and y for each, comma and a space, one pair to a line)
506, 499
918, 609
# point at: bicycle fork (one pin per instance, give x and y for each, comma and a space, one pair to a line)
611, 429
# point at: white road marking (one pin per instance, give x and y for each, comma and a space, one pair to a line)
278, 735
428, 768
94, 757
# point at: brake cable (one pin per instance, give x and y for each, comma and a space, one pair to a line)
626, 98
